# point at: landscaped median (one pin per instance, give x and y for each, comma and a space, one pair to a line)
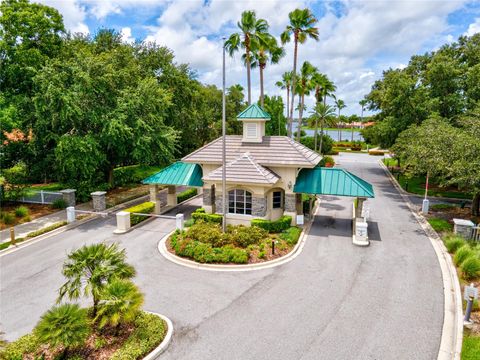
33, 234
204, 242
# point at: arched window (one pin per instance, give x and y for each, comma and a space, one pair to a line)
240, 202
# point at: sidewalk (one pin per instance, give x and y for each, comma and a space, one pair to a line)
22, 230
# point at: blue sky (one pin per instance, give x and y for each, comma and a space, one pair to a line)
358, 39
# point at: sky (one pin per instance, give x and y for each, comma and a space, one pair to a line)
358, 39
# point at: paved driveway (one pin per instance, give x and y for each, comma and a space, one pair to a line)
334, 301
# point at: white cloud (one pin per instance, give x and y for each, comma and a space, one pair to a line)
126, 34
73, 13
473, 28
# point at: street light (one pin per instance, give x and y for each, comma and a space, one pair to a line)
224, 169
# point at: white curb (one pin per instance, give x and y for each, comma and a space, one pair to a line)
166, 340
297, 250
452, 332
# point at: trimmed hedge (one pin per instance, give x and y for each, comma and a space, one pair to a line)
291, 235
144, 208
187, 194
200, 215
273, 226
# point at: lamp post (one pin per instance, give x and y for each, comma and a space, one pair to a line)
224, 170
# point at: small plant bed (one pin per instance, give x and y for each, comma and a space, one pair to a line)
448, 212
204, 242
125, 193
35, 233
18, 213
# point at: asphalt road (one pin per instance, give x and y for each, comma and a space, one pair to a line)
334, 301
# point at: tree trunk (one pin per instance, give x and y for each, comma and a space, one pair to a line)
316, 133
321, 136
339, 128
247, 57
110, 176
476, 204
261, 84
288, 106
295, 52
300, 116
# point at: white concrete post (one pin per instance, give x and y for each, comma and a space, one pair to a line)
70, 214
425, 206
360, 237
42, 196
123, 222
179, 222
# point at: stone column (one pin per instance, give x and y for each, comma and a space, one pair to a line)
68, 196
291, 206
171, 196
209, 200
463, 228
218, 206
259, 206
98, 199
153, 192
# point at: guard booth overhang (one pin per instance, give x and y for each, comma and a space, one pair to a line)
332, 181
178, 173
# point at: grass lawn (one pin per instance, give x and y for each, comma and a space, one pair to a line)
440, 225
471, 347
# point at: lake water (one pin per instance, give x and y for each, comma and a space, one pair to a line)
346, 135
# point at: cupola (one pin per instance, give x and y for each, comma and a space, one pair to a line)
253, 118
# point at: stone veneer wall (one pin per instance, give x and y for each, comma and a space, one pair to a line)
290, 202
259, 206
207, 196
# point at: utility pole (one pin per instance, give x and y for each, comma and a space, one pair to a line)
224, 147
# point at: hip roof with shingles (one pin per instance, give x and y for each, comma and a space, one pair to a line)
272, 151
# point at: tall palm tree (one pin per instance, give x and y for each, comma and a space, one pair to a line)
120, 302
90, 268
340, 104
286, 83
251, 29
267, 49
301, 27
326, 115
65, 325
304, 86
323, 88
362, 103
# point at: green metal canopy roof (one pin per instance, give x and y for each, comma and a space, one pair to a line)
332, 181
178, 173
254, 111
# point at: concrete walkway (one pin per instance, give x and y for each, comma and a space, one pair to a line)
334, 301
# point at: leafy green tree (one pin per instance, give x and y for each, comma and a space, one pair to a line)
278, 122
325, 114
234, 106
304, 86
340, 105
251, 29
301, 27
323, 88
15, 181
267, 50
89, 269
64, 325
286, 84
120, 303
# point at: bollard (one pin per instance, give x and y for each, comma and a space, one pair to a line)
470, 293
469, 309
425, 206
179, 222
123, 222
273, 247
12, 236
70, 214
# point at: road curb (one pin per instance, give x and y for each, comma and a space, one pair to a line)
452, 331
297, 250
166, 340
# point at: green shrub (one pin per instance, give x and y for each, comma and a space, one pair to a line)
462, 253
470, 267
327, 143
376, 153
442, 206
452, 243
244, 236
440, 225
15, 350
8, 218
207, 233
143, 208
187, 194
21, 211
261, 255
150, 330
326, 160
276, 226
200, 215
133, 174
4, 245
189, 222
291, 235
205, 253
46, 229
59, 204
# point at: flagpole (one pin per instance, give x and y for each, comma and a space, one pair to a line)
224, 170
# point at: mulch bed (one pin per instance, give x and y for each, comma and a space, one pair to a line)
455, 212
125, 193
35, 211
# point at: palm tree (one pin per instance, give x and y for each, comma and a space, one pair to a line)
65, 325
120, 302
286, 83
340, 104
301, 27
323, 88
304, 86
248, 39
326, 115
267, 49
90, 268
362, 103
